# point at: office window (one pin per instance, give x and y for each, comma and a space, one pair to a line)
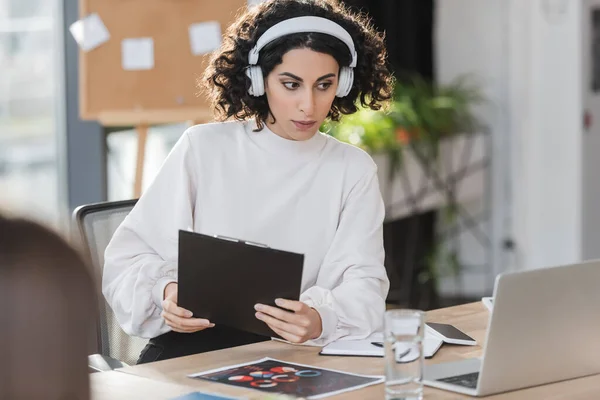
28, 108
122, 154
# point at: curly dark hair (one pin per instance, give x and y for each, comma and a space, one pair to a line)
226, 83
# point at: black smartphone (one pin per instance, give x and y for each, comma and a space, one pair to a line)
450, 334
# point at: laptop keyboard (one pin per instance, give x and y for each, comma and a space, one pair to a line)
467, 380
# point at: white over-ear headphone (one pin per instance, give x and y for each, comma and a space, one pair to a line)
300, 25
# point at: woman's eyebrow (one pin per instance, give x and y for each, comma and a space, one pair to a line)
325, 77
302, 80
291, 76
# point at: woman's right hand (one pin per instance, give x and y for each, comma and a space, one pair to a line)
180, 319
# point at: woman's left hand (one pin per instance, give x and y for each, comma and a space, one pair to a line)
303, 324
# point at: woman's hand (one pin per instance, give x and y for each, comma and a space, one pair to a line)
180, 319
303, 324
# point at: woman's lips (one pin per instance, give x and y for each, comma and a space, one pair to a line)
304, 125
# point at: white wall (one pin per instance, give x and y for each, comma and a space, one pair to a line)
545, 124
471, 40
526, 56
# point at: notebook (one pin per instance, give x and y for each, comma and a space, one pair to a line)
366, 348
205, 396
221, 279
488, 302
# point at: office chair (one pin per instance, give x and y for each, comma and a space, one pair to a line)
96, 224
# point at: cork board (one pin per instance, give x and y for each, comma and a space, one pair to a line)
166, 93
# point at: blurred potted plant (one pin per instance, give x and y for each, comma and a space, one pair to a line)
421, 116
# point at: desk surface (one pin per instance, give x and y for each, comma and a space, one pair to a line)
471, 318
115, 385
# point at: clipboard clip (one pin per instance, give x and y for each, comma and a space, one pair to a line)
231, 239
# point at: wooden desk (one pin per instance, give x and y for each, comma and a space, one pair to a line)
115, 385
471, 318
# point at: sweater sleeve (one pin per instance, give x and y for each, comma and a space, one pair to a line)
352, 284
141, 258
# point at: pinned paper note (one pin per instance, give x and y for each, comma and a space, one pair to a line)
252, 3
89, 32
205, 37
137, 54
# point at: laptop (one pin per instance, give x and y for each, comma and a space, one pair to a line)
222, 278
544, 327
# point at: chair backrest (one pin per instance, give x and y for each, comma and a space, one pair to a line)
96, 224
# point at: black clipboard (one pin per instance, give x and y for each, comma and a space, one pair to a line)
221, 279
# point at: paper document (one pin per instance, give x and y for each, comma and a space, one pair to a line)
137, 54
205, 37
297, 380
366, 348
252, 3
89, 32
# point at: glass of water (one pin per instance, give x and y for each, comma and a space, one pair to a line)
403, 336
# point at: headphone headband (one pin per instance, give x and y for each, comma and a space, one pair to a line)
301, 25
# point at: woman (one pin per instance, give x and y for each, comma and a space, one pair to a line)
267, 175
47, 319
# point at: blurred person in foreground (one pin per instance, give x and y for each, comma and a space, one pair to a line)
47, 310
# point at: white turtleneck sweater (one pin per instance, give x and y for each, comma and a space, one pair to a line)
318, 197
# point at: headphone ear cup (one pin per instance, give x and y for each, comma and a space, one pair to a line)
345, 81
257, 83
